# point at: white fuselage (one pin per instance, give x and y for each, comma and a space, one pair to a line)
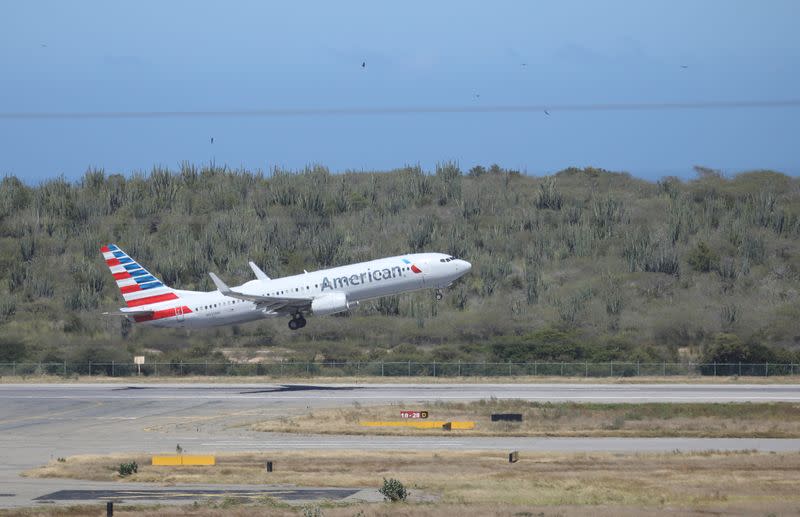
357, 282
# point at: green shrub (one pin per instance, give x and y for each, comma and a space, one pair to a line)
393, 490
12, 349
549, 196
312, 511
728, 348
702, 258
126, 469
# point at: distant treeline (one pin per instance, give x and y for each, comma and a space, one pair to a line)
585, 264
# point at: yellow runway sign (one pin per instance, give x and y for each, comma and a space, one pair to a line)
421, 424
185, 460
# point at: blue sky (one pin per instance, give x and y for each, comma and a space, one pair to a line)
100, 56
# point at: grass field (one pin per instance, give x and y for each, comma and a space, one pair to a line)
472, 483
729, 420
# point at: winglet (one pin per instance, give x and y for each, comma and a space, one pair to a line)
259, 274
224, 289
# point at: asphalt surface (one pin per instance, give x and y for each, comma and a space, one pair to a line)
41, 422
192, 494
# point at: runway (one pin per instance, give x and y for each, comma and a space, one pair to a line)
299, 394
40, 422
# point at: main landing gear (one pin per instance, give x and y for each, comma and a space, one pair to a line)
297, 321
439, 295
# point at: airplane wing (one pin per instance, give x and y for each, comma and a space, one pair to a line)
283, 304
257, 271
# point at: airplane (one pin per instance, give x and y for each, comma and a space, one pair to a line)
327, 291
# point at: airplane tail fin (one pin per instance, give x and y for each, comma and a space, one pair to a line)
137, 285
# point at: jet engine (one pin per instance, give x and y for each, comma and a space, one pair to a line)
330, 304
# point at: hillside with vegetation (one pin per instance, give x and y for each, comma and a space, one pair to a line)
586, 264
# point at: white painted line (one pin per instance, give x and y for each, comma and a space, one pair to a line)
300, 443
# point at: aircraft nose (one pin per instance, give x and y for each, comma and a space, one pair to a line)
467, 266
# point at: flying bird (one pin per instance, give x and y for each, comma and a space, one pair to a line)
212, 139
43, 45
363, 64
547, 113
684, 66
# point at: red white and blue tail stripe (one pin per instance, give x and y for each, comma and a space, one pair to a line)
138, 286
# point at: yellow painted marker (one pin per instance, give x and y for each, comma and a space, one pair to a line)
183, 460
420, 424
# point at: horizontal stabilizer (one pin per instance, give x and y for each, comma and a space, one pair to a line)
131, 312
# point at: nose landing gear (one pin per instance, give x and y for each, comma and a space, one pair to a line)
439, 294
297, 321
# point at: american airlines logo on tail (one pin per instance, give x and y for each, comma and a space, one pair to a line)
138, 286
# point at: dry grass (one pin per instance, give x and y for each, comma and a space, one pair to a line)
739, 420
711, 481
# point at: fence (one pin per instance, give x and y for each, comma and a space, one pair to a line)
401, 369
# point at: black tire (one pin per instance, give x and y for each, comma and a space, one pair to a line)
301, 322
293, 324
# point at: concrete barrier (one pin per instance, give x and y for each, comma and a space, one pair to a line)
184, 460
